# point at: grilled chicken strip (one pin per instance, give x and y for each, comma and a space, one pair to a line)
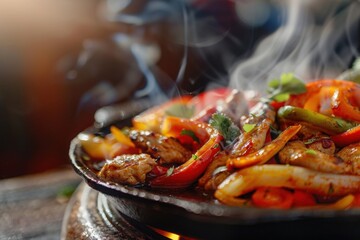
296, 153
165, 149
262, 115
128, 169
212, 179
351, 155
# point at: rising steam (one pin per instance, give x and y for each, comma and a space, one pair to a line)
313, 39
319, 39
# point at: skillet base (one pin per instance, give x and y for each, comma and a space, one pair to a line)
88, 217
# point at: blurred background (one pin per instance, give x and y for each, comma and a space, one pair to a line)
60, 61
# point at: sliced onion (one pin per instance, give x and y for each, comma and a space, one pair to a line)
274, 175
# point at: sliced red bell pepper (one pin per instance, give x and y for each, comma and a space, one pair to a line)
189, 142
152, 118
356, 202
330, 97
342, 107
158, 171
303, 199
350, 136
190, 171
276, 105
206, 103
173, 127
272, 197
207, 99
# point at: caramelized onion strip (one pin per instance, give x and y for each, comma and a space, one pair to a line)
266, 153
248, 179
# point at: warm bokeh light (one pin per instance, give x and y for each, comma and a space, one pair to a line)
38, 115
21, 19
170, 235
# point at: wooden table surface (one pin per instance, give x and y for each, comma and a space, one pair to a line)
32, 207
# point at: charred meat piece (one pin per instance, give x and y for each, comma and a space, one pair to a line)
166, 149
324, 145
296, 153
351, 155
263, 116
128, 169
308, 133
212, 176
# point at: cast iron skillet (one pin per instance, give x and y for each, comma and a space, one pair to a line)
210, 220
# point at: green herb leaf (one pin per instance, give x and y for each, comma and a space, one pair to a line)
190, 134
311, 151
310, 141
195, 157
280, 89
248, 127
225, 126
180, 110
282, 97
170, 171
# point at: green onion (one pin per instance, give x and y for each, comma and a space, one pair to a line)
248, 127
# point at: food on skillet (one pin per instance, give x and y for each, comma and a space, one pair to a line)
298, 147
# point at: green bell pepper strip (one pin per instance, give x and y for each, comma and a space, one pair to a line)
327, 124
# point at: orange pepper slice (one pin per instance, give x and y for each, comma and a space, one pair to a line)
342, 107
121, 137
330, 97
152, 118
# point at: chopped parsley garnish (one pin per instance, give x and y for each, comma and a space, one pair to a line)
280, 89
248, 127
170, 171
180, 110
190, 134
225, 126
195, 157
310, 141
311, 151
